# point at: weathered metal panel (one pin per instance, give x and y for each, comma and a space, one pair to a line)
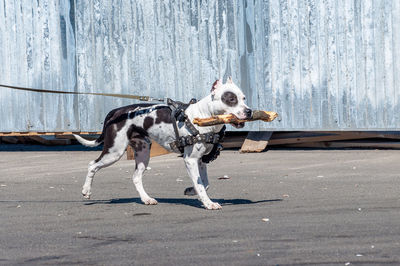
173, 49
322, 65
37, 49
331, 65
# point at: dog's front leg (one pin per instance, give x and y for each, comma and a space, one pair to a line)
192, 166
204, 177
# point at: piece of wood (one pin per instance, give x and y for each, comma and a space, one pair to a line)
130, 155
348, 144
305, 137
230, 118
233, 142
156, 150
47, 133
88, 137
256, 141
371, 134
50, 142
11, 140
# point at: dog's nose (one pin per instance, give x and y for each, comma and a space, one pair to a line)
248, 112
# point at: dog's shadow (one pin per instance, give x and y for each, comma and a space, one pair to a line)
183, 201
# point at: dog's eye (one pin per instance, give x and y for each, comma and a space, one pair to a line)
244, 98
232, 99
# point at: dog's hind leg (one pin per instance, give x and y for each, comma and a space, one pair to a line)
204, 177
141, 146
110, 154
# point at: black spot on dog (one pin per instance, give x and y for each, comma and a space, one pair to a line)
148, 122
133, 130
229, 98
110, 135
163, 115
116, 120
138, 146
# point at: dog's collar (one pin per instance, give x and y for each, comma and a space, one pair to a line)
178, 115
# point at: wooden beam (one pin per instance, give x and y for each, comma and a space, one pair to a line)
51, 142
306, 137
233, 141
156, 150
130, 155
349, 144
256, 141
11, 140
372, 134
8, 134
88, 137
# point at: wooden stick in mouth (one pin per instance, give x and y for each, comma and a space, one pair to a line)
265, 116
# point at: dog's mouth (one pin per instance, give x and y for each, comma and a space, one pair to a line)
237, 125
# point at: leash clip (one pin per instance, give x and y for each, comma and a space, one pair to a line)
144, 98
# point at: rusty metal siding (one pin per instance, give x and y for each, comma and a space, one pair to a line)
322, 65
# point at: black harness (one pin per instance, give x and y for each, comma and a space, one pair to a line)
178, 115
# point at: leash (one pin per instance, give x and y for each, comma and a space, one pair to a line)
177, 114
128, 96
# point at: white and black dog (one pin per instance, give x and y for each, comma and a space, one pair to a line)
136, 124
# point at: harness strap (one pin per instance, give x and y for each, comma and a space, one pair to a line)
174, 145
178, 115
174, 106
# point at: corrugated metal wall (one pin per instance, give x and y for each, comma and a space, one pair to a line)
323, 65
37, 49
329, 64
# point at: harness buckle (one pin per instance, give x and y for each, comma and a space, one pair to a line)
215, 138
189, 140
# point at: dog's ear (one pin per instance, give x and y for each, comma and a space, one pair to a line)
215, 86
229, 80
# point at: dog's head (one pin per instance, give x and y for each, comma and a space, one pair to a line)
229, 99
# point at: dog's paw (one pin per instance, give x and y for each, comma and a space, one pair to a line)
86, 193
212, 206
150, 201
190, 191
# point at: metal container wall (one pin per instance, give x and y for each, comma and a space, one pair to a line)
37, 49
322, 65
329, 65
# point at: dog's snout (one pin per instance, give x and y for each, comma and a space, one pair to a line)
248, 112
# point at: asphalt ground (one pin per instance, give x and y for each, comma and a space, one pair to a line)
281, 207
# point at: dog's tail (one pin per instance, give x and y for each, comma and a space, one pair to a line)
88, 143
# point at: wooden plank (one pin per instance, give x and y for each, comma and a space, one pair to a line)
47, 133
51, 142
317, 137
372, 134
156, 150
87, 136
256, 141
11, 140
130, 155
348, 144
233, 142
